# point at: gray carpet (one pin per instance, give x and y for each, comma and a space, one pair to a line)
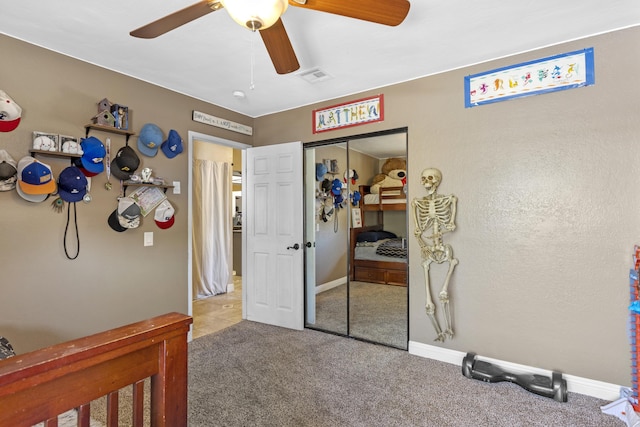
377, 312
252, 374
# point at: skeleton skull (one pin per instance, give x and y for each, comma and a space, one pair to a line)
430, 179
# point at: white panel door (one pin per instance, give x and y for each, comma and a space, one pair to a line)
274, 229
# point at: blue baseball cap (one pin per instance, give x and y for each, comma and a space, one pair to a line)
149, 140
173, 145
72, 184
321, 169
336, 187
35, 178
93, 154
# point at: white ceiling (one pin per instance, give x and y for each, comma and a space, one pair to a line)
211, 57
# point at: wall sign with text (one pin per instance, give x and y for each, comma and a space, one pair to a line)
360, 112
559, 72
208, 119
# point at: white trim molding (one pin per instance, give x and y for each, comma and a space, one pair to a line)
586, 386
330, 285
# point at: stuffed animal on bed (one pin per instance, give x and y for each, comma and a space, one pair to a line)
394, 174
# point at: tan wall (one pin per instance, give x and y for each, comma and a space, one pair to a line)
547, 214
46, 298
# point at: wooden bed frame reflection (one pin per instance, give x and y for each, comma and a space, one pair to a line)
387, 272
40, 385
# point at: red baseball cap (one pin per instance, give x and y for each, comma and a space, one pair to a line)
10, 113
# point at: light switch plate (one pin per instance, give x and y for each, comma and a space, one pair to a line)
148, 238
176, 187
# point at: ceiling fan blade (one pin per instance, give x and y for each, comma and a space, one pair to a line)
176, 19
386, 12
278, 45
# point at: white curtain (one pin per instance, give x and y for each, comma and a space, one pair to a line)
212, 228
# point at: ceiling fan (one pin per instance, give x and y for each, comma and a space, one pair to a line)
264, 16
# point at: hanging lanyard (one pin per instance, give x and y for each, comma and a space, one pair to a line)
66, 228
108, 159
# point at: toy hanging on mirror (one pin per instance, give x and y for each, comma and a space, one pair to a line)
57, 205
336, 190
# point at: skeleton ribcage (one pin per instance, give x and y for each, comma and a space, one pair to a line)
434, 211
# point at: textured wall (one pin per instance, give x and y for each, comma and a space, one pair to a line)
46, 298
547, 214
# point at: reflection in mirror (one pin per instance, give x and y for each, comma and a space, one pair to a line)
378, 298
329, 312
351, 289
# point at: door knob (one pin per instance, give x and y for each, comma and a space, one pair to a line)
296, 247
308, 244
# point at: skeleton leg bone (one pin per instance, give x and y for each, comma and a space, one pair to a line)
430, 306
444, 298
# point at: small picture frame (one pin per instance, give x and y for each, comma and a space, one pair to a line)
45, 141
148, 198
334, 166
120, 114
69, 144
356, 218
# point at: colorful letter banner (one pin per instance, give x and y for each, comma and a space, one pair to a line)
565, 71
354, 113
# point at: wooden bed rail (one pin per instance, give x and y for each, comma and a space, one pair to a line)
389, 199
40, 385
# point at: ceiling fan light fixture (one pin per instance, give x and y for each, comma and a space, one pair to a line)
255, 14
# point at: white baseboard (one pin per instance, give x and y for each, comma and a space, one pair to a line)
586, 386
330, 285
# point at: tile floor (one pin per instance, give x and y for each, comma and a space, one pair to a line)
218, 312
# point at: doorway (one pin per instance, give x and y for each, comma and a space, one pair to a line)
356, 281
216, 312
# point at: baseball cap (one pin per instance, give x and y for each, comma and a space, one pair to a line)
8, 171
125, 163
173, 145
149, 140
10, 113
72, 184
35, 177
77, 162
321, 169
164, 215
326, 185
327, 210
93, 153
128, 213
336, 187
35, 198
114, 223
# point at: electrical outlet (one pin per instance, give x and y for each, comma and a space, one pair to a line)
176, 187
148, 238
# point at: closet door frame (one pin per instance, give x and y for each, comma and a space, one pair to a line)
346, 140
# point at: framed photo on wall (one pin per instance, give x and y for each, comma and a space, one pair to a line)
45, 141
68, 144
356, 218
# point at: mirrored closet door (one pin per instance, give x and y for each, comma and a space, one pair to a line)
356, 223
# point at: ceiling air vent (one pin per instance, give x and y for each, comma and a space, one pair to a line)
314, 75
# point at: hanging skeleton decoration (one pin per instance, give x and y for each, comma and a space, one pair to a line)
434, 215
